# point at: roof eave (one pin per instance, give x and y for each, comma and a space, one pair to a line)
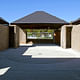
38, 23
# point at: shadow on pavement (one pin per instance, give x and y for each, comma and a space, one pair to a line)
28, 68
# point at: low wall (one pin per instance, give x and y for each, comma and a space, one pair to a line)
4, 37
40, 41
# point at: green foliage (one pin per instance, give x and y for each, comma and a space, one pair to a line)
39, 32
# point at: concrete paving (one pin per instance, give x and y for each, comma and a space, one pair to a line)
39, 62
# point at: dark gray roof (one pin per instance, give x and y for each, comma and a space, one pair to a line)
76, 21
39, 17
2, 21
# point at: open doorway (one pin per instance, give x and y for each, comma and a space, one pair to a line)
68, 37
11, 37
57, 36
40, 36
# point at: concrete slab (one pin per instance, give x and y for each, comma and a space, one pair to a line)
51, 51
39, 62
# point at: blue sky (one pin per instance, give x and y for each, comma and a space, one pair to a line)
68, 10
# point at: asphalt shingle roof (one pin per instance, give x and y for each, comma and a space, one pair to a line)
2, 21
76, 21
39, 17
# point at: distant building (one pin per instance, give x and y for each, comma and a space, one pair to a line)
39, 20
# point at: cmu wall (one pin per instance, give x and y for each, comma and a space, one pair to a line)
76, 38
14, 36
4, 37
18, 35
22, 36
66, 36
63, 36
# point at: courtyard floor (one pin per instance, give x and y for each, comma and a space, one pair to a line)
39, 62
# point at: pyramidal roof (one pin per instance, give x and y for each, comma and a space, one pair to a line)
76, 21
2, 21
39, 17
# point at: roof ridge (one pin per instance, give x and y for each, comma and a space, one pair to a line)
75, 20
44, 14
3, 20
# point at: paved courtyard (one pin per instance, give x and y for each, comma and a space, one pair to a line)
39, 62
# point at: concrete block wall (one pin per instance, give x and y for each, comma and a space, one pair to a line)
63, 36
4, 37
22, 36
15, 36
19, 36
76, 37
66, 36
